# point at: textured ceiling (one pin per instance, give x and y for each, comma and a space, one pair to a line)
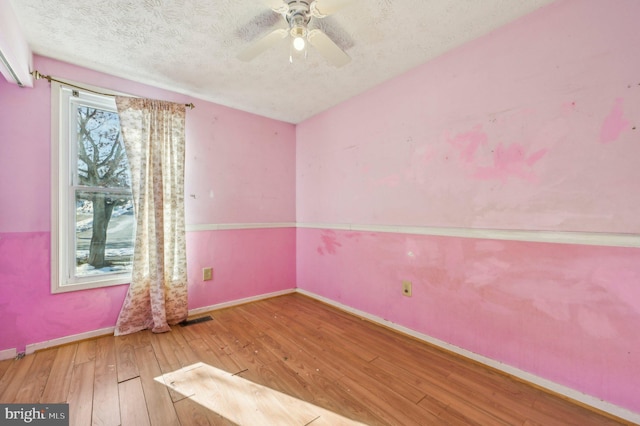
190, 46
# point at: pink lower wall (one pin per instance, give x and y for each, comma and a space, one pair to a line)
240, 168
533, 127
29, 313
247, 263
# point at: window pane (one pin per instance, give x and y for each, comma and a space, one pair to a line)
102, 160
104, 233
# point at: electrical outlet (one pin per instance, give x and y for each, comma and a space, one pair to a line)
406, 288
207, 274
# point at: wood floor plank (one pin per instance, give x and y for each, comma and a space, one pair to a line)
141, 338
242, 401
4, 366
127, 367
217, 334
57, 388
279, 377
164, 347
159, 403
323, 394
132, 411
449, 396
173, 352
509, 402
331, 349
390, 407
239, 325
191, 413
232, 341
81, 394
106, 405
255, 314
297, 359
86, 351
13, 379
184, 352
250, 357
192, 331
567, 414
33, 388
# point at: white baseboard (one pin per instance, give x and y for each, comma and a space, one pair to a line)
231, 303
573, 394
8, 354
68, 339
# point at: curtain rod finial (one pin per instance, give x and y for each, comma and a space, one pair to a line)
190, 105
36, 75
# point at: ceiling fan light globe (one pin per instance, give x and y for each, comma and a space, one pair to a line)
299, 44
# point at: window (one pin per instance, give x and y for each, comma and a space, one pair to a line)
93, 224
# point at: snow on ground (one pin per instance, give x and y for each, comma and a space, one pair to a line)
87, 224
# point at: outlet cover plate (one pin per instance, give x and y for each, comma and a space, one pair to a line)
406, 288
207, 274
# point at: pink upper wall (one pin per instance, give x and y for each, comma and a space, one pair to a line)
534, 126
25, 151
240, 168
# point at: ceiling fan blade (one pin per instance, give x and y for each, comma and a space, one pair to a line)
328, 48
322, 8
263, 44
276, 5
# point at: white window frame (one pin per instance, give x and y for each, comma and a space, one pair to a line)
63, 153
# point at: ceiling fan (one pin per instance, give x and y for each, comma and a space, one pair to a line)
298, 14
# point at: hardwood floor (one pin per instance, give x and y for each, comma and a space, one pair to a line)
289, 360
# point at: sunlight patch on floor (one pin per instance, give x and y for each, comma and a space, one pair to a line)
244, 402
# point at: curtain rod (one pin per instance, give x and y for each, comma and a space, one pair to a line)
36, 74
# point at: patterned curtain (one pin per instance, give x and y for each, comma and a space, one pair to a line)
153, 134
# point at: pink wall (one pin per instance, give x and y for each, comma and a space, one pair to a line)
516, 130
533, 127
240, 168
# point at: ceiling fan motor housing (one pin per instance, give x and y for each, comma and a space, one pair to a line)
298, 14
298, 17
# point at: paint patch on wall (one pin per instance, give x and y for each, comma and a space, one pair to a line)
501, 162
467, 143
596, 324
329, 242
419, 160
391, 181
614, 124
511, 161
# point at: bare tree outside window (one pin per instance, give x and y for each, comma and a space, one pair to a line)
104, 210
